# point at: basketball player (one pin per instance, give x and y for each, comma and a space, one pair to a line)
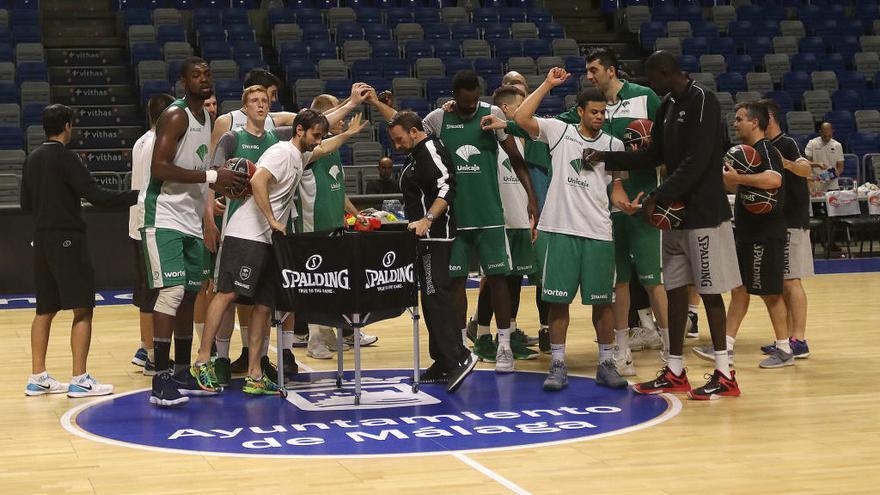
688, 139
172, 233
321, 206
760, 238
246, 262
478, 214
636, 243
577, 221
144, 298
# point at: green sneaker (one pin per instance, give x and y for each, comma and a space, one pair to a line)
521, 352
485, 348
222, 371
205, 377
472, 330
263, 386
520, 336
269, 370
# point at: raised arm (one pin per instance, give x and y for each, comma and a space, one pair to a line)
332, 144
525, 114
358, 93
387, 111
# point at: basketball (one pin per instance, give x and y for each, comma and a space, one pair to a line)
245, 166
758, 201
637, 134
742, 158
668, 217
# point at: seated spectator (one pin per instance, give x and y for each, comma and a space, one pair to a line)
826, 155
385, 184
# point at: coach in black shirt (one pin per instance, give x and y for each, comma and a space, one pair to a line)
428, 186
53, 182
688, 137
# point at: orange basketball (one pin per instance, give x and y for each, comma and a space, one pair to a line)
758, 201
637, 134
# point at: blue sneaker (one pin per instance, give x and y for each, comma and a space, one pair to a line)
140, 357
768, 349
165, 393
799, 348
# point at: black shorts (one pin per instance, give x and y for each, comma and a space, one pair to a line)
143, 297
63, 271
762, 265
247, 268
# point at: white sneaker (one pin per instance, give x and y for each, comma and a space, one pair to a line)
504, 359
623, 360
87, 386
43, 384
328, 336
319, 350
641, 338
366, 340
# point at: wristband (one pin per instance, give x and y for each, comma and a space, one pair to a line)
210, 176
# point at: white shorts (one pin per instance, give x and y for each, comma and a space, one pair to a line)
705, 258
798, 254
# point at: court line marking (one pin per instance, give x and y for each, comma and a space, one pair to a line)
513, 487
68, 422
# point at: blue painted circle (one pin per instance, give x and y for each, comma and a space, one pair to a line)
488, 411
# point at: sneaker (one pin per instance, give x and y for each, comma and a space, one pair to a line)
644, 338
300, 340
666, 382
777, 359
187, 384
263, 386
799, 348
434, 374
366, 340
240, 365
557, 379
520, 351
140, 357
504, 359
328, 336
291, 368
691, 327
221, 371
623, 360
319, 350
608, 376
457, 376
165, 393
43, 384
88, 387
717, 387
707, 352
472, 330
520, 336
149, 368
544, 340
485, 348
269, 370
204, 377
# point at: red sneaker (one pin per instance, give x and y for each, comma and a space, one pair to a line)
666, 381
717, 387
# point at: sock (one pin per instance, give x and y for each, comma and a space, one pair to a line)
287, 337
676, 364
730, 342
243, 329
151, 354
606, 352
182, 353
646, 317
78, 378
483, 330
722, 363
692, 308
265, 350
163, 353
621, 338
558, 352
504, 336
783, 345
199, 328
222, 347
513, 324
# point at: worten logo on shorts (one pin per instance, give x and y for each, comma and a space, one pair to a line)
488, 411
390, 278
322, 281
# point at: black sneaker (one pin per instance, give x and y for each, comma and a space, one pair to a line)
693, 331
544, 340
434, 374
221, 369
290, 367
187, 384
457, 376
269, 369
165, 393
240, 365
149, 368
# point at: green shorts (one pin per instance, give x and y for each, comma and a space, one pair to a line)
574, 261
173, 258
522, 253
636, 244
491, 247
541, 253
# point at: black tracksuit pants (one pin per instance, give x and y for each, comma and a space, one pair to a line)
432, 268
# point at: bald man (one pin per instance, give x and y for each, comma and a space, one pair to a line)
385, 184
825, 151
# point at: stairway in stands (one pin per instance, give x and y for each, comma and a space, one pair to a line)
90, 71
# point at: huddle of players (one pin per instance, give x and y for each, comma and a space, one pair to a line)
175, 200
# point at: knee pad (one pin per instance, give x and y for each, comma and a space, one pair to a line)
169, 300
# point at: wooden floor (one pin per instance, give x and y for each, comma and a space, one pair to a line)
813, 428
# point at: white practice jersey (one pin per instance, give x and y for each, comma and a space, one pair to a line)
239, 120
141, 160
514, 198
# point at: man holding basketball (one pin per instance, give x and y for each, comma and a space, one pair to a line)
688, 139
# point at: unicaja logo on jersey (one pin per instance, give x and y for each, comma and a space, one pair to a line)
334, 172
202, 151
579, 166
465, 153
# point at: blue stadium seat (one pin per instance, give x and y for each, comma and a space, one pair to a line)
385, 49
855, 27
834, 62
758, 47
135, 16
704, 29
795, 83
8, 92
397, 15
492, 81
806, 62
27, 33
740, 63
766, 27
649, 32
539, 15
299, 68
319, 49
862, 143
349, 31
732, 82
690, 13
504, 49
871, 98
292, 49
843, 122
239, 32
210, 32
488, 66
32, 114
723, 46
536, 48
5, 34
852, 80
169, 32
551, 31
664, 13
315, 32
364, 68
325, 4
340, 88
447, 48
512, 14
465, 32
419, 49
145, 51
695, 46
485, 15
749, 13
576, 65
867, 10
235, 16
438, 87
205, 17
456, 64
741, 32
281, 16
376, 32
846, 99
396, 67
427, 15
846, 45
551, 105
379, 83
215, 50
32, 71
247, 64
689, 63
811, 44
496, 31
250, 48
10, 138
368, 15
783, 99
245, 4
437, 31
417, 105
307, 15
